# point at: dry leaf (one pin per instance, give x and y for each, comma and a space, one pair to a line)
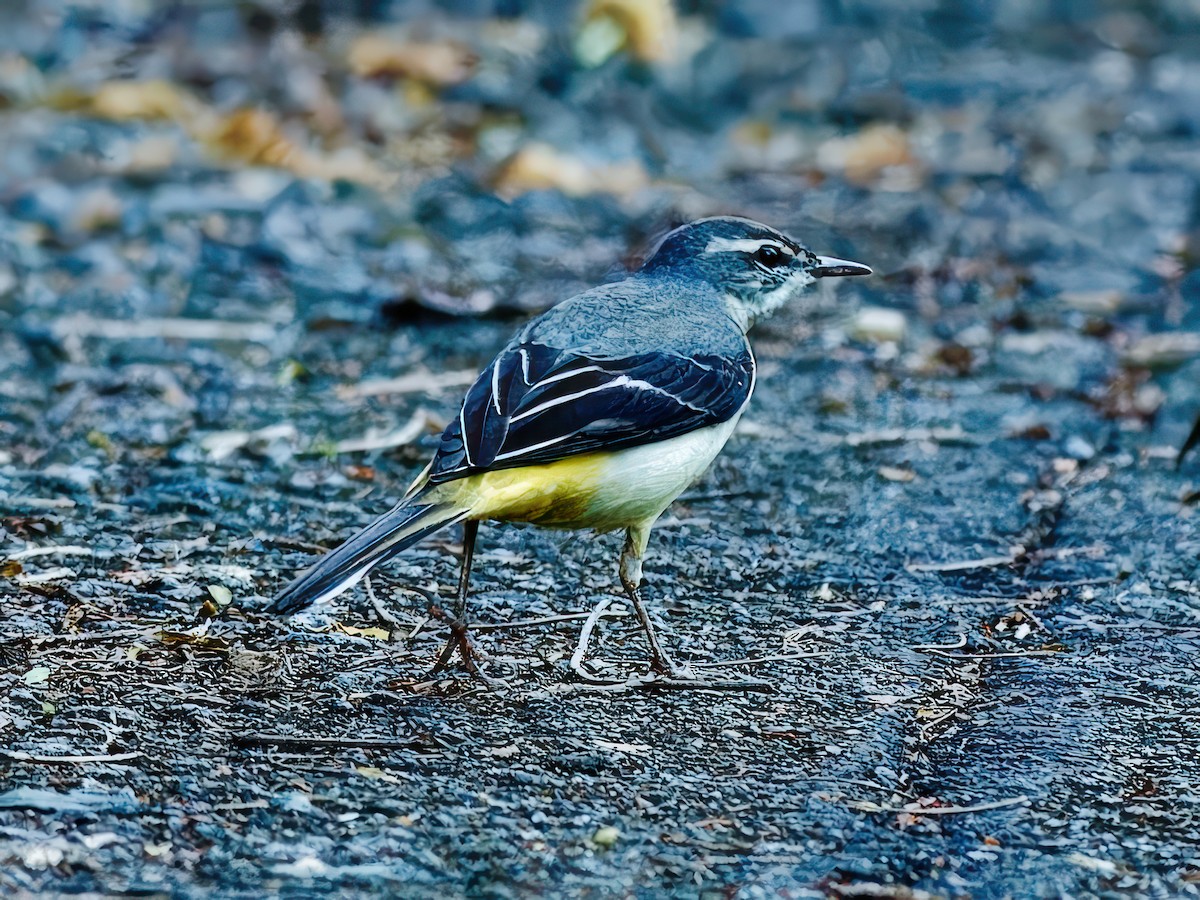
125, 100
379, 634
253, 136
180, 638
864, 157
435, 62
646, 28
537, 167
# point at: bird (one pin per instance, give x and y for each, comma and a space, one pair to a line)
598, 413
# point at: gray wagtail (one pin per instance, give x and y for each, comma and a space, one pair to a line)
600, 412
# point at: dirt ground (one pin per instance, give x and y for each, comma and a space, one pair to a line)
953, 532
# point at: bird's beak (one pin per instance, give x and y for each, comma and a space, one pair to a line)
828, 266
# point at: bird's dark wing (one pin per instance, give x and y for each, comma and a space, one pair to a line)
537, 404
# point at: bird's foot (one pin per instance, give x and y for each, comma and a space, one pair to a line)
459, 642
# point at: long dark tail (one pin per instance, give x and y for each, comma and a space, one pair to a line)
339, 569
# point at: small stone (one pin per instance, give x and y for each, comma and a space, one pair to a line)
878, 325
606, 836
1095, 303
1078, 448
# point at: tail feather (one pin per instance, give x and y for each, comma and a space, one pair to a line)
341, 568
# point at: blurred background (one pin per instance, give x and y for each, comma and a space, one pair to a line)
251, 255
333, 164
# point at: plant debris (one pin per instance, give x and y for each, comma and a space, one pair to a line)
252, 253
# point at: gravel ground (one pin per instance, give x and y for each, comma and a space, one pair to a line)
252, 254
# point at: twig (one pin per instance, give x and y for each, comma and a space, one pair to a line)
988, 562
421, 623
21, 756
67, 550
431, 601
86, 636
304, 741
912, 809
543, 620
961, 642
164, 328
40, 503
416, 426
58, 573
754, 660
384, 616
585, 636
655, 682
953, 435
412, 383
1005, 655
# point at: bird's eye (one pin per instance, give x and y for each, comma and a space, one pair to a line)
770, 255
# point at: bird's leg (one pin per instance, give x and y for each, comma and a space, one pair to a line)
667, 673
458, 625
631, 580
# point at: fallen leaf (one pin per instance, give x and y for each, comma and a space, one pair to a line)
434, 62
896, 473
646, 28
180, 638
253, 136
379, 634
538, 167
868, 155
128, 100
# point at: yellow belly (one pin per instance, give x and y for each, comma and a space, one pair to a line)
602, 491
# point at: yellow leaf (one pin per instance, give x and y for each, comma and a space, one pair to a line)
379, 634
123, 100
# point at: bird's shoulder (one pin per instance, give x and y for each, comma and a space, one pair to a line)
634, 316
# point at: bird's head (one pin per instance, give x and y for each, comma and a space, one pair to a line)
756, 268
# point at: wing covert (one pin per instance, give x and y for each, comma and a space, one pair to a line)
537, 404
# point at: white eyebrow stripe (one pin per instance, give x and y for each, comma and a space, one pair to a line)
744, 245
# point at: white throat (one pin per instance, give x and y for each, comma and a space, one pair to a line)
746, 312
